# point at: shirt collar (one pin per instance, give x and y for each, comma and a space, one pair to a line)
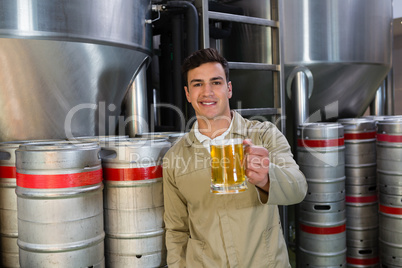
236, 129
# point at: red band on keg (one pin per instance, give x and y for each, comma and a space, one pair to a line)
391, 210
323, 230
8, 172
375, 260
320, 143
360, 136
389, 138
132, 174
59, 180
361, 199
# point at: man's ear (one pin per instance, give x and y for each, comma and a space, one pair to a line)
229, 89
187, 94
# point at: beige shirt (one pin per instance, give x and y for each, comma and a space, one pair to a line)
235, 230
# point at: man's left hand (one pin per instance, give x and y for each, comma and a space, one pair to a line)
257, 165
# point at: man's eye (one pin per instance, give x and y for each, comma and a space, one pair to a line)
197, 85
216, 83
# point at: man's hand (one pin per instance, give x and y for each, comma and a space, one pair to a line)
257, 165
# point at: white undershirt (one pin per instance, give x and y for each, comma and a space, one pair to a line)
205, 140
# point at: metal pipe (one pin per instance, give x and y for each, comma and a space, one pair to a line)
136, 120
191, 23
178, 90
390, 94
377, 106
300, 95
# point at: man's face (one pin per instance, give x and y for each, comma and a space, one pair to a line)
208, 91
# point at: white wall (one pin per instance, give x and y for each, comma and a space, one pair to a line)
397, 9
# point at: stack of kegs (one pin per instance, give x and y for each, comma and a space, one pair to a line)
361, 192
93, 201
389, 172
322, 219
133, 202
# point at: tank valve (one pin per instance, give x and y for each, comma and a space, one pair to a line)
156, 8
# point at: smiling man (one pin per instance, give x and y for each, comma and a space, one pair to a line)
230, 230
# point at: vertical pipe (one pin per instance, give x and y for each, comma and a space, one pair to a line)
136, 104
178, 89
300, 98
390, 94
377, 106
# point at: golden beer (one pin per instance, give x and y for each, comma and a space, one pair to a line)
227, 167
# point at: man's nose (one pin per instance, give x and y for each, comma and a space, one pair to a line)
207, 90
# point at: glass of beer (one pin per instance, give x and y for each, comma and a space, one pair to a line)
227, 166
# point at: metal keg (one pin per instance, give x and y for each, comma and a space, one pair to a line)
134, 203
361, 175
175, 137
172, 137
363, 257
60, 205
389, 159
361, 206
320, 155
155, 135
389, 146
322, 241
8, 203
362, 216
360, 141
105, 138
390, 210
8, 206
390, 183
389, 156
361, 191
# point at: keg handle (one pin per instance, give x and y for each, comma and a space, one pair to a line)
107, 154
5, 155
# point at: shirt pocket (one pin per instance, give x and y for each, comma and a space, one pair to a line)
195, 252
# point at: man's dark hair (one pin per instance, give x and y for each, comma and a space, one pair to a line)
204, 56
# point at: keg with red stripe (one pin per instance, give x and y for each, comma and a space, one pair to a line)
322, 241
60, 205
8, 203
390, 209
362, 225
321, 157
360, 142
361, 191
389, 168
389, 156
363, 257
8, 206
134, 202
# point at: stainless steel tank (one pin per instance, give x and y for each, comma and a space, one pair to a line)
346, 44
66, 65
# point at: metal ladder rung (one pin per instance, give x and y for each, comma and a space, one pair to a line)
254, 66
243, 19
